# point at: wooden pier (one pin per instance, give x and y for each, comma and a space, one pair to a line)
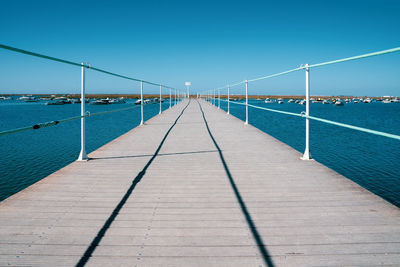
197, 187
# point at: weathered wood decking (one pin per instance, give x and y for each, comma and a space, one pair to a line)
165, 194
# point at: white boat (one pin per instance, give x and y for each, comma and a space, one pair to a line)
268, 101
24, 97
145, 101
367, 100
290, 101
98, 102
30, 99
386, 101
280, 102
339, 103
302, 102
55, 103
117, 101
107, 100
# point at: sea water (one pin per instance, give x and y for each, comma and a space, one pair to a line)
369, 160
30, 156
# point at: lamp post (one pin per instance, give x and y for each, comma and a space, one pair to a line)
188, 84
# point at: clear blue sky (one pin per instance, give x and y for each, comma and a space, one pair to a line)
209, 43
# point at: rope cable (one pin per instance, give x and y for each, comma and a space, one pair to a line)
387, 51
53, 123
10, 48
389, 135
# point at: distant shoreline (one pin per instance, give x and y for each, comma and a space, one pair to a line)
136, 96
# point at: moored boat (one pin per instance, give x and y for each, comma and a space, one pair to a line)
339, 103
116, 101
55, 103
31, 99
98, 102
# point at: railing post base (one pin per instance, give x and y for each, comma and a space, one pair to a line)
83, 156
306, 156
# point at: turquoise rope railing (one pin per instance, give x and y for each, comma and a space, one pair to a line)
306, 114
83, 156
268, 109
54, 123
21, 51
389, 135
392, 50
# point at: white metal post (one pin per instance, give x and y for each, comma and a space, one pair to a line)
219, 99
307, 154
160, 99
229, 88
170, 100
214, 97
141, 102
247, 107
175, 98
82, 155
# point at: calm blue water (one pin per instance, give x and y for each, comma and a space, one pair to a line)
30, 156
369, 160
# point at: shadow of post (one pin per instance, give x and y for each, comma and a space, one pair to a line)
96, 241
150, 155
260, 244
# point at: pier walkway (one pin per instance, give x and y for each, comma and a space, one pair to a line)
197, 187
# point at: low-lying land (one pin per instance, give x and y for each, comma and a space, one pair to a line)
136, 96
